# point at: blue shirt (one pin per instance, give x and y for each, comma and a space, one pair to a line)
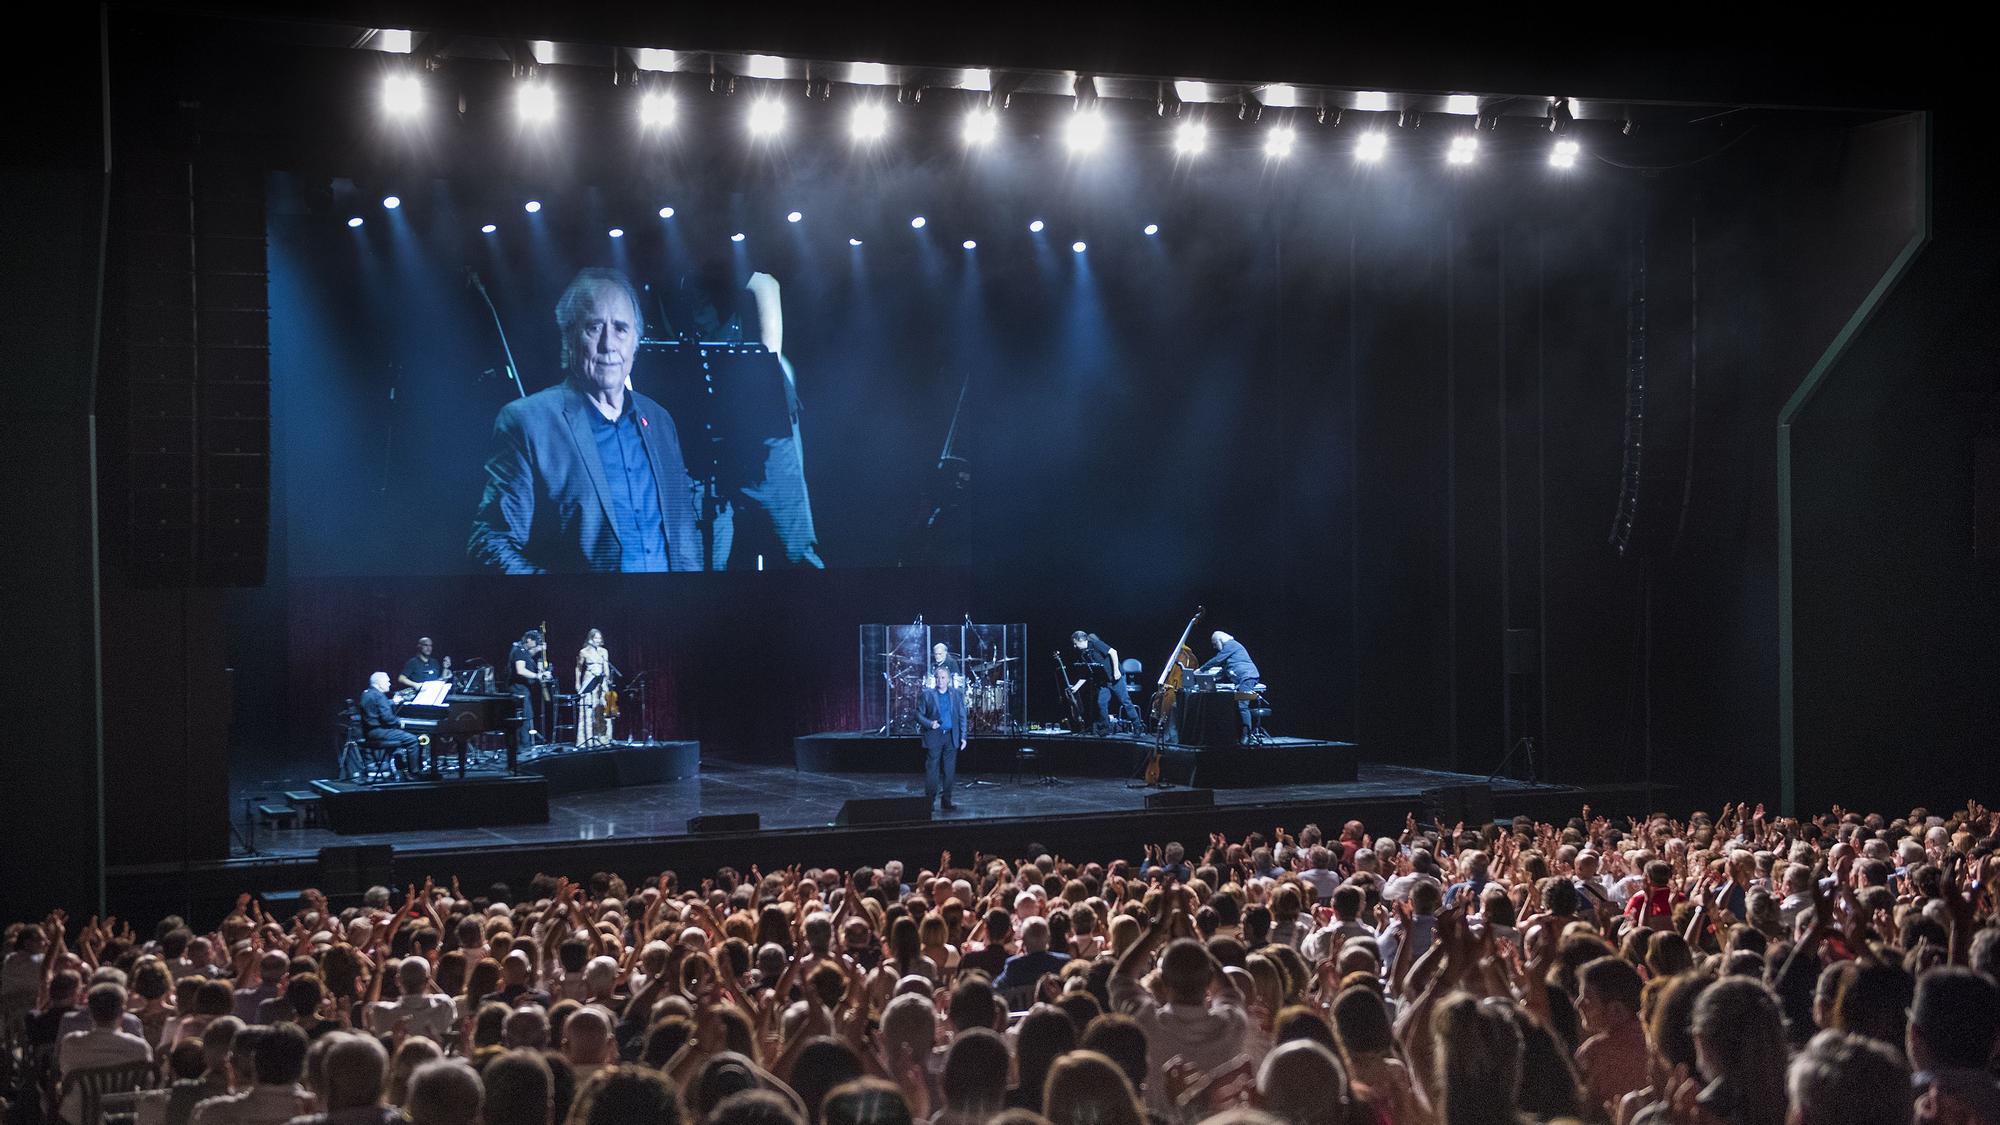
635, 501
944, 709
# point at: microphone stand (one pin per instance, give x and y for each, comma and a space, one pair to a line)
513, 372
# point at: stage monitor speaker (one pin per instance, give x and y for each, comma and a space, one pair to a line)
724, 822
1181, 799
351, 869
883, 810
1472, 804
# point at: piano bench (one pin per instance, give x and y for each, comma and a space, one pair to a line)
279, 816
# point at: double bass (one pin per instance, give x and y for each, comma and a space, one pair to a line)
1177, 665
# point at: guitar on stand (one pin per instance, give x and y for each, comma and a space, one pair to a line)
1166, 692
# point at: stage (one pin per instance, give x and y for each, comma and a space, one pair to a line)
1065, 755
640, 829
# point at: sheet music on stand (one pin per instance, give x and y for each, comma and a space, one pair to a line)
727, 400
432, 693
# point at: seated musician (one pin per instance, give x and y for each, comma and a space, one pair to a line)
382, 731
422, 668
1237, 667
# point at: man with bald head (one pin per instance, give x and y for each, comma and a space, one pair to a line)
587, 475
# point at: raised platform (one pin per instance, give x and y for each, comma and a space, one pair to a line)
474, 801
617, 766
1299, 760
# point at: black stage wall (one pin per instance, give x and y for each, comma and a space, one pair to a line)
1896, 658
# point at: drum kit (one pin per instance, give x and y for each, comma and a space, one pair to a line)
988, 686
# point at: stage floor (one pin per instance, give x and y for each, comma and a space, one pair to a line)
787, 798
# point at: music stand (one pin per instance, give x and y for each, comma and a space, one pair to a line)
727, 400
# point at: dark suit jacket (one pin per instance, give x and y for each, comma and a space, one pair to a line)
377, 713
1236, 664
928, 712
546, 507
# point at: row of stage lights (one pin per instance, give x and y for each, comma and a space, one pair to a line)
868, 123
919, 222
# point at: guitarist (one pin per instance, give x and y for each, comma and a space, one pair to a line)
526, 671
1092, 652
941, 717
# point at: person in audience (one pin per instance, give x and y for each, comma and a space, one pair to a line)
1612, 1060
272, 1093
353, 1084
445, 1092
1086, 1088
1658, 970
272, 966
105, 1043
1953, 1031
1843, 1079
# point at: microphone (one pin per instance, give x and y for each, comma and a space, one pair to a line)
472, 280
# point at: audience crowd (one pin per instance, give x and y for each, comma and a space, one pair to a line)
1734, 969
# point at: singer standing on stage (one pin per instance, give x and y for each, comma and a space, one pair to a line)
941, 716
593, 679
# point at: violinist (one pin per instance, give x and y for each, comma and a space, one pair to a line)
593, 681
527, 675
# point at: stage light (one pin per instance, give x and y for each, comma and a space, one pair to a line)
666, 212
537, 103
354, 222
391, 202
1078, 247
1465, 105
1278, 142
532, 206
1152, 229
794, 216
1371, 147
489, 228
1372, 101
1563, 155
616, 232
402, 96
975, 78
1464, 147
1085, 131
1035, 227
854, 242
917, 223
767, 116
656, 109
870, 122
981, 126
655, 59
970, 244
737, 237
1190, 137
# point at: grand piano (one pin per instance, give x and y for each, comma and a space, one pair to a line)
452, 717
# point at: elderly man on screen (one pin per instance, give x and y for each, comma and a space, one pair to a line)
587, 475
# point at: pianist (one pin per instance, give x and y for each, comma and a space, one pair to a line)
382, 731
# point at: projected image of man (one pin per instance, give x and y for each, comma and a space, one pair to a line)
587, 475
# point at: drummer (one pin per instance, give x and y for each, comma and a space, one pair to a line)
941, 657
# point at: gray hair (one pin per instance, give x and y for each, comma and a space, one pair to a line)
445, 1092
1219, 638
575, 299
